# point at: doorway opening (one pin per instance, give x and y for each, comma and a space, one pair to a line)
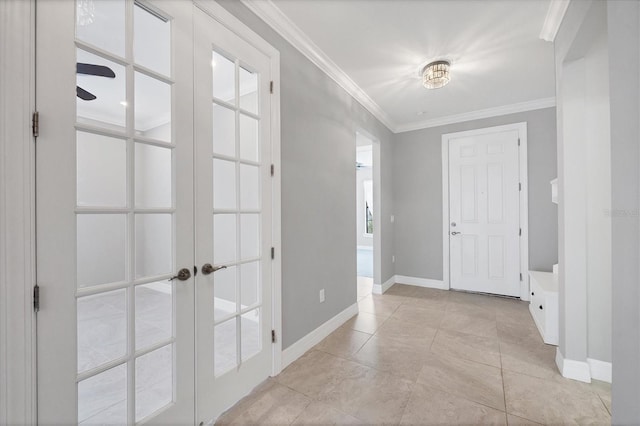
364, 214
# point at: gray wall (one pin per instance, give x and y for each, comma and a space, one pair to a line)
319, 123
623, 21
417, 188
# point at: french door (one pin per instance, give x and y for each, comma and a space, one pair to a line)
140, 185
233, 157
484, 213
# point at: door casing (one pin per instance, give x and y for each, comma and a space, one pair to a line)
521, 128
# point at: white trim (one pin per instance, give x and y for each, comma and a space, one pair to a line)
524, 200
300, 347
555, 15
479, 114
382, 288
421, 282
17, 220
572, 369
276, 19
366, 247
220, 14
280, 22
600, 370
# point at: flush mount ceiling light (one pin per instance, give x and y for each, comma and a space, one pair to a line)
436, 74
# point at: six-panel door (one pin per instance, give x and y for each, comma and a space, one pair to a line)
484, 213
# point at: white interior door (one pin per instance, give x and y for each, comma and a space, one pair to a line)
115, 212
233, 217
484, 213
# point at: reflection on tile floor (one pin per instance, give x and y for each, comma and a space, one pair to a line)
365, 287
425, 356
102, 337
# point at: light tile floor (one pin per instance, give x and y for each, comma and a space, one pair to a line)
424, 356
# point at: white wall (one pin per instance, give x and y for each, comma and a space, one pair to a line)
598, 183
584, 187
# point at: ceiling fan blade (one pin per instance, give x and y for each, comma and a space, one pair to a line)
97, 70
84, 95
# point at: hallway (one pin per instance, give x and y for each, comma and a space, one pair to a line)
422, 356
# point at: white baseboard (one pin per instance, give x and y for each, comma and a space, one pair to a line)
299, 348
600, 370
572, 369
381, 289
421, 282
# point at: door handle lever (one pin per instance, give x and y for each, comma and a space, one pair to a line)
207, 268
455, 233
183, 275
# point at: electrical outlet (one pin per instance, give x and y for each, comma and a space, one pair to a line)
393, 259
393, 218
322, 295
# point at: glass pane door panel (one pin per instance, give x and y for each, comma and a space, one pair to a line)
248, 91
101, 248
102, 328
249, 187
250, 284
249, 138
152, 108
225, 347
249, 236
102, 399
153, 245
224, 185
224, 78
101, 23
151, 40
224, 238
101, 168
154, 313
153, 176
251, 341
224, 131
154, 381
100, 92
224, 292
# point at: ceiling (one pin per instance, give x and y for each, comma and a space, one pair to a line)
499, 63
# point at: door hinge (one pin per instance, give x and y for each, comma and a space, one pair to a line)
36, 298
518, 141
35, 124
271, 87
273, 336
520, 276
520, 233
273, 252
273, 170
519, 186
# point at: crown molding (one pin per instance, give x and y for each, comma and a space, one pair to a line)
276, 19
479, 114
555, 14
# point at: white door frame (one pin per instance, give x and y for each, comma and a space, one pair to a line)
17, 214
524, 201
220, 14
377, 211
